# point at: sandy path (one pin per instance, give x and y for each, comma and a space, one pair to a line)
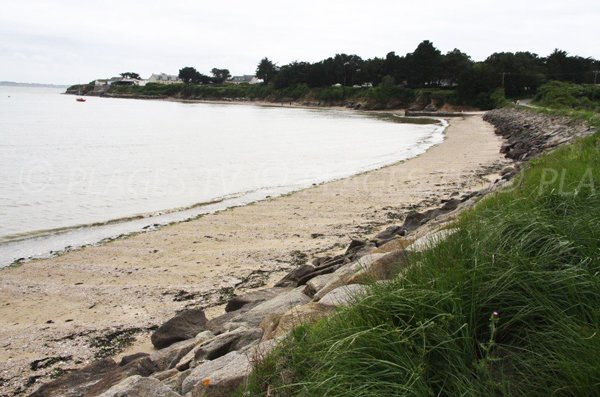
133, 282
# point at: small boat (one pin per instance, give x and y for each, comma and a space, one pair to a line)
80, 99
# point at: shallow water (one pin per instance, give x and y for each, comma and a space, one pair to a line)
122, 164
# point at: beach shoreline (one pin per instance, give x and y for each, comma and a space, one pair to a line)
56, 242
58, 307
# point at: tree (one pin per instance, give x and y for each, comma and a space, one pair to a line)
131, 75
293, 74
425, 65
455, 64
220, 75
266, 70
521, 72
561, 66
189, 75
346, 68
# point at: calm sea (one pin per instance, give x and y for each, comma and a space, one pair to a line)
75, 173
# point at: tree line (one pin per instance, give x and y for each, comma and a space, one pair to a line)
520, 73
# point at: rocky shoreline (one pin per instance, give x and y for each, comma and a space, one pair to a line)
198, 356
528, 133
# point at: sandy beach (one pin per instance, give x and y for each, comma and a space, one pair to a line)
60, 307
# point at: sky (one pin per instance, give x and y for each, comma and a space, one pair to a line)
76, 41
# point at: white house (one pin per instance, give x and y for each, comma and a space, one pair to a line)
163, 78
245, 79
119, 81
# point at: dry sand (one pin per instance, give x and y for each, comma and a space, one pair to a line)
60, 306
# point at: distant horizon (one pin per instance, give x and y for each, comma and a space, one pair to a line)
7, 83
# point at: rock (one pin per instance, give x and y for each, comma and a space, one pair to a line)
184, 362
399, 243
227, 342
326, 267
225, 322
77, 383
142, 366
385, 268
184, 325
355, 246
280, 325
319, 261
430, 108
237, 302
169, 357
430, 240
291, 279
344, 273
258, 352
137, 386
508, 172
358, 248
413, 221
451, 205
165, 374
219, 377
528, 134
317, 283
343, 296
172, 378
132, 357
277, 305
388, 234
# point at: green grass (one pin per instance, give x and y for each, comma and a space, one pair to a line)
530, 253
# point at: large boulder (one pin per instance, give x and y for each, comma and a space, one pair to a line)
343, 296
237, 302
277, 305
384, 268
131, 358
396, 244
169, 357
343, 274
431, 240
317, 283
219, 377
278, 326
96, 378
238, 339
227, 342
77, 383
292, 278
413, 221
143, 367
388, 234
172, 378
138, 386
185, 325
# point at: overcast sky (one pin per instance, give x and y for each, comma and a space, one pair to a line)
69, 41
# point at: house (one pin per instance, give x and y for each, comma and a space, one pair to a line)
163, 78
118, 81
245, 79
103, 82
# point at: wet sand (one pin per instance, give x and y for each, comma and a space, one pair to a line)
59, 307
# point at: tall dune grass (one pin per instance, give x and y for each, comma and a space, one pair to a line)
507, 306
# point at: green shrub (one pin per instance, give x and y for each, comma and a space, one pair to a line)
557, 94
